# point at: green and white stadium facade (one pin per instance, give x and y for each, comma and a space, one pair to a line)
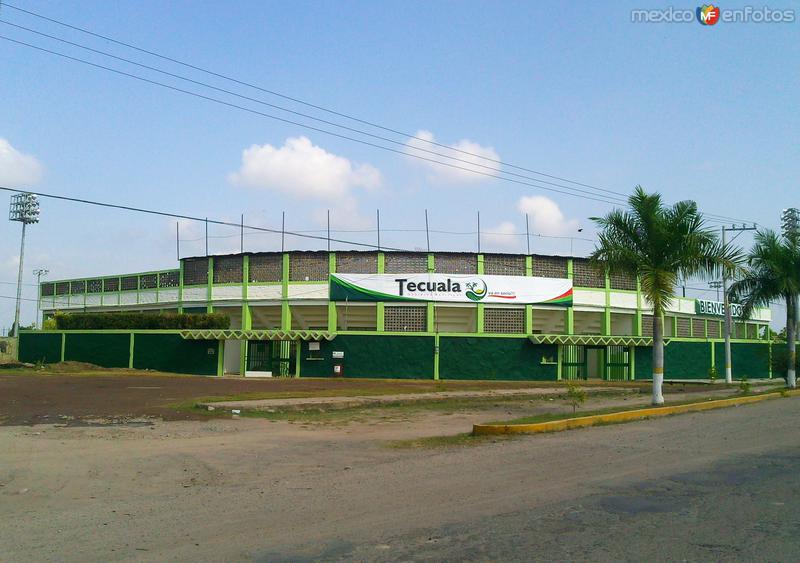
420, 315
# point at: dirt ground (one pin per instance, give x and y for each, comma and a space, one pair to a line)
256, 489
38, 398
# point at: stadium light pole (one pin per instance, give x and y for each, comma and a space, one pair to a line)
38, 273
24, 208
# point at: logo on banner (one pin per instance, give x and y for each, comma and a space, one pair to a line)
476, 290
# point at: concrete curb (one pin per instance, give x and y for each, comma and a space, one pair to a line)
624, 416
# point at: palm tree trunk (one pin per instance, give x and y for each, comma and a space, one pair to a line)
791, 338
658, 358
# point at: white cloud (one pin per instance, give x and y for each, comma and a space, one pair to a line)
304, 170
440, 174
503, 235
17, 169
545, 216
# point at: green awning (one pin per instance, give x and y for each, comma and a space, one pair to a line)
591, 340
257, 335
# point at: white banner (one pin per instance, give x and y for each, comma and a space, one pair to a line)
456, 288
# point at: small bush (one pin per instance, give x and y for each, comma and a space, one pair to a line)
140, 321
575, 396
744, 386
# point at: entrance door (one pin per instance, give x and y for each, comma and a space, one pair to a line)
595, 362
276, 356
573, 362
618, 363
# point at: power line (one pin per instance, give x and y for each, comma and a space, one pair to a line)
323, 108
299, 124
191, 218
404, 144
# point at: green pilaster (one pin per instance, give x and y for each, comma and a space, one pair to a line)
209, 293
431, 325
528, 308
570, 313
675, 325
705, 327
130, 352
713, 356
481, 306
286, 314
63, 345
180, 288
638, 330
381, 324
331, 305
560, 361
607, 310
298, 352
632, 368
220, 358
436, 357
247, 317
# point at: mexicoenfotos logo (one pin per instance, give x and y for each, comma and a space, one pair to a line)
708, 14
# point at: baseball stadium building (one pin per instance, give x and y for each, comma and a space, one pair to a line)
397, 315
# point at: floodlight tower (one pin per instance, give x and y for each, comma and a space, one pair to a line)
25, 209
790, 221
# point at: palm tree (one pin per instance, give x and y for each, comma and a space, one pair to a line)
773, 274
660, 244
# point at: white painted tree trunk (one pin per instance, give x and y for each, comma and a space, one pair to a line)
791, 338
658, 359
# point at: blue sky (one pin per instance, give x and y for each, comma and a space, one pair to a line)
577, 91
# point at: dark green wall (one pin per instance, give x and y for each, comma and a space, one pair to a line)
495, 358
40, 346
687, 360
644, 362
170, 352
396, 357
106, 350
751, 360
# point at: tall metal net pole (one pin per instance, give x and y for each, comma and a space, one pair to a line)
19, 281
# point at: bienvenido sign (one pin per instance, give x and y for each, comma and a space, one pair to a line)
715, 308
455, 288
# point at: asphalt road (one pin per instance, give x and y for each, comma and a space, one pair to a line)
714, 486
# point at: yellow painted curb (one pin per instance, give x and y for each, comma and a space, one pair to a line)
624, 416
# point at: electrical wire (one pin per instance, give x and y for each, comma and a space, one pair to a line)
321, 108
495, 172
192, 218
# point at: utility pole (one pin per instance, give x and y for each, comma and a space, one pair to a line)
728, 320
716, 284
25, 209
38, 273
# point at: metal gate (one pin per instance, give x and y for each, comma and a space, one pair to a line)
276, 356
573, 362
617, 363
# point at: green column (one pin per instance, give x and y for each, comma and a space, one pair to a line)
210, 285
331, 304
638, 306
528, 308
436, 357
247, 316
220, 358
607, 309
632, 363
299, 351
570, 320
380, 306
130, 352
431, 324
180, 288
286, 314
480, 311
560, 361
